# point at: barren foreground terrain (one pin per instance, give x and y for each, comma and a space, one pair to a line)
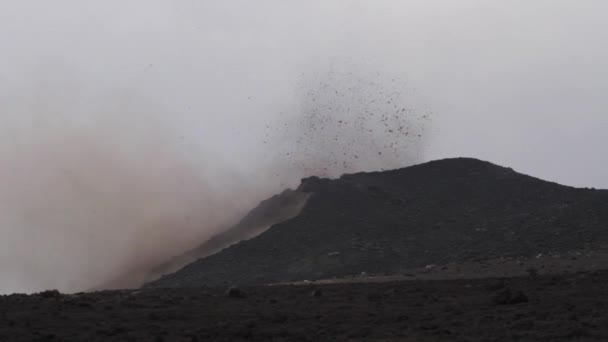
571, 307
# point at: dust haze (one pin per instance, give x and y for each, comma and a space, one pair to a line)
133, 131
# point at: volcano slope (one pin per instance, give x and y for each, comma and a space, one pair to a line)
276, 209
452, 211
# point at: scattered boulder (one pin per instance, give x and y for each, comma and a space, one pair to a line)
508, 297
495, 285
532, 272
50, 294
235, 292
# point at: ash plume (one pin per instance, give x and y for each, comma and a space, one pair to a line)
130, 136
351, 118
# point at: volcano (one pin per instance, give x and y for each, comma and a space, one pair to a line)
450, 211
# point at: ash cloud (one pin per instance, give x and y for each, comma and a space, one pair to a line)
132, 131
350, 118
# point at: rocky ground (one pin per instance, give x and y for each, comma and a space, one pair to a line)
572, 307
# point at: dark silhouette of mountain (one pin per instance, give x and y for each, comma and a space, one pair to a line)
445, 211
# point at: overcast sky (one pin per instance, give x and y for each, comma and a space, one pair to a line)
117, 116
516, 82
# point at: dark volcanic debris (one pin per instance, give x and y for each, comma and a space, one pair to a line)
349, 120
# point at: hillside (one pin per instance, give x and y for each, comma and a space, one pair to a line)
446, 211
276, 209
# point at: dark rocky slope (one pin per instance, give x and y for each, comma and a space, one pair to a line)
445, 211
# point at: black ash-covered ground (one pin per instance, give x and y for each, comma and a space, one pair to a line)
570, 307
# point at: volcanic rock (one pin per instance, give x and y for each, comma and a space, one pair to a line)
508, 297
235, 292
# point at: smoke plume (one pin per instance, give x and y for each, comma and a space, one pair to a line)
131, 131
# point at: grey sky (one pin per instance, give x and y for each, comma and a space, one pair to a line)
515, 82
118, 116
